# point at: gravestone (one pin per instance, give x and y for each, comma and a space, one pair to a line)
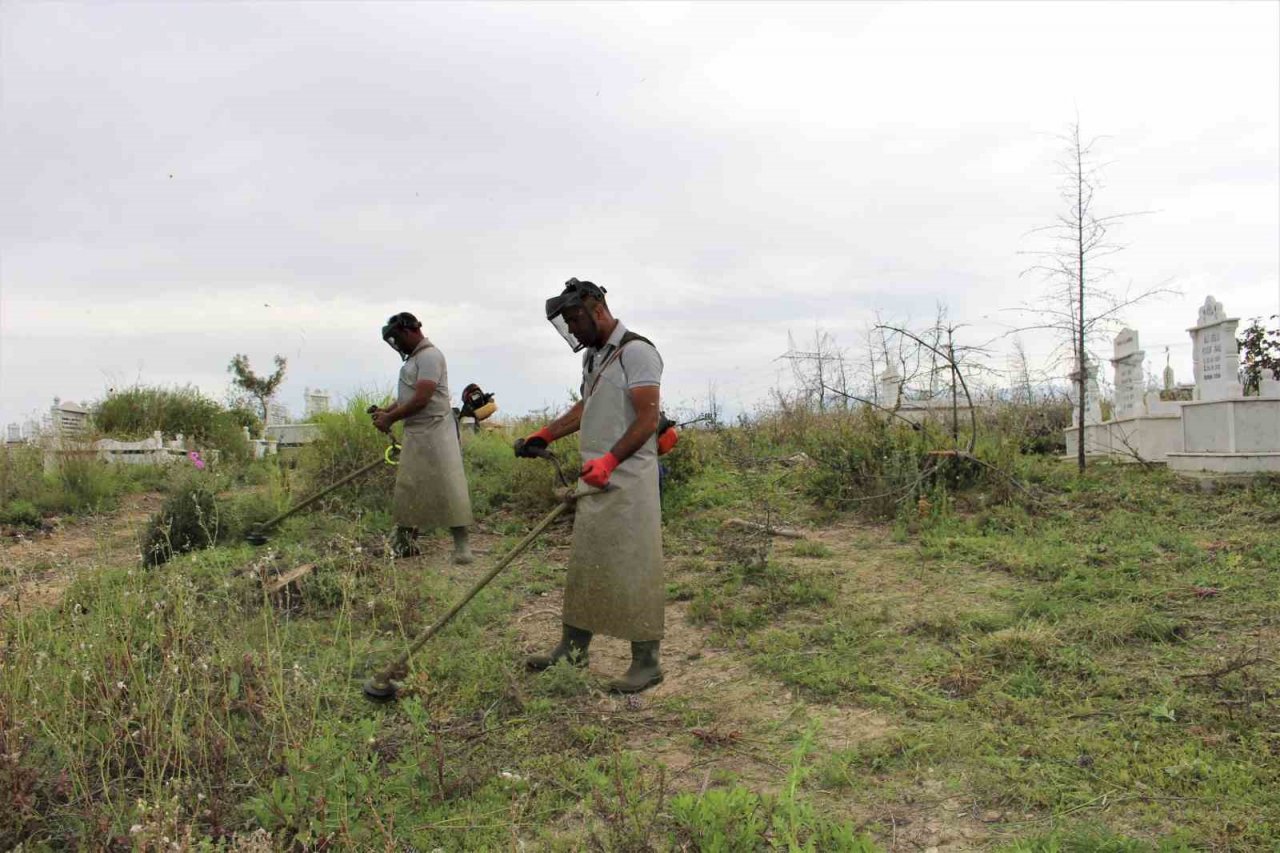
1092, 407
1224, 432
1215, 353
1129, 379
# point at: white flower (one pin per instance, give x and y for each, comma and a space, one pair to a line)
120, 685
135, 829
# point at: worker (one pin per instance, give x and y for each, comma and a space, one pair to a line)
431, 486
614, 584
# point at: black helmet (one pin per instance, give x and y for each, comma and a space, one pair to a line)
572, 297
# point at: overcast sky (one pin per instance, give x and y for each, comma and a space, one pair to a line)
182, 182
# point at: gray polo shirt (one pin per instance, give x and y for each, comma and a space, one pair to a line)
426, 363
640, 361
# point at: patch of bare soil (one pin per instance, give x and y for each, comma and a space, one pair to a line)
38, 569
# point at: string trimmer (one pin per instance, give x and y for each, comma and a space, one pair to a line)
380, 687
258, 534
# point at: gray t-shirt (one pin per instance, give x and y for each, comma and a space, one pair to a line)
426, 363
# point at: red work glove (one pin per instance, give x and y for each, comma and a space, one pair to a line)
595, 473
538, 441
667, 440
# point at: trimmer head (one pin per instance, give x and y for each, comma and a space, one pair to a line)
257, 536
379, 690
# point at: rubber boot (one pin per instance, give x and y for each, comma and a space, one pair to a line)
644, 671
573, 645
404, 542
461, 546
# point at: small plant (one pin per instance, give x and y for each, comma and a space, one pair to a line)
1259, 354
816, 550
20, 513
188, 520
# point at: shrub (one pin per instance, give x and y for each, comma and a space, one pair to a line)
21, 473
137, 412
189, 519
864, 461
347, 442
21, 513
82, 483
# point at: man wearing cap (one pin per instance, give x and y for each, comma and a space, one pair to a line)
614, 584
431, 487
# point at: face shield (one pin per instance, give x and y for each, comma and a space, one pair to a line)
398, 323
571, 301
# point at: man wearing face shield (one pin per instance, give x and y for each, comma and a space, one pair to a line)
614, 584
431, 487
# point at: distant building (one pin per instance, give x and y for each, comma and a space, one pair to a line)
316, 402
277, 413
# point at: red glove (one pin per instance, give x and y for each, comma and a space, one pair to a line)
538, 441
667, 440
595, 473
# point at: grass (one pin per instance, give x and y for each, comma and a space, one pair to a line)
1094, 671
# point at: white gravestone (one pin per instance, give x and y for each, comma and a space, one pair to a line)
1215, 353
1093, 408
890, 387
1129, 378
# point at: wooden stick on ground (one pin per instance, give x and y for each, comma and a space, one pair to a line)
785, 532
279, 583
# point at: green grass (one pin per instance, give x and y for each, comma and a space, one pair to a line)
1094, 671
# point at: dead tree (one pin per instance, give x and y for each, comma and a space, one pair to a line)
1078, 302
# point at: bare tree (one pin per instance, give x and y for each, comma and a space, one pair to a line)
1078, 302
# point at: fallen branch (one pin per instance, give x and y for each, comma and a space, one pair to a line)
1234, 666
287, 578
784, 532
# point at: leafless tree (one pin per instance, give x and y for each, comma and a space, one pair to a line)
1078, 301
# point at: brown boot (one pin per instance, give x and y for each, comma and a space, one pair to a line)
573, 646
644, 671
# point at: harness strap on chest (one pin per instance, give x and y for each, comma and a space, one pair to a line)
627, 337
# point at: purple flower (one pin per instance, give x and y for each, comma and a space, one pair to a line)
194, 456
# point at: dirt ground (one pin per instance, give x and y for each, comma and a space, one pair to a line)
37, 566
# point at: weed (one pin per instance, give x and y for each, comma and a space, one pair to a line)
815, 550
21, 513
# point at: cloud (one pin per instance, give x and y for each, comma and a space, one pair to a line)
188, 181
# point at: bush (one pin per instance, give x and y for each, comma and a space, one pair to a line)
20, 513
1036, 428
137, 412
21, 473
347, 442
189, 519
499, 479
82, 483
865, 461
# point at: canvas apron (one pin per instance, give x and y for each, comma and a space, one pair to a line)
431, 486
615, 583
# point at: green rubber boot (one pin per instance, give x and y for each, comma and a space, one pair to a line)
461, 546
644, 671
573, 645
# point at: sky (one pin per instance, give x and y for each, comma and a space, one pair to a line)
181, 182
